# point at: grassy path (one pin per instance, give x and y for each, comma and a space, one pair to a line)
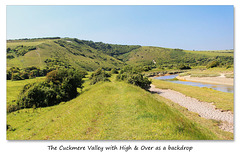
107, 111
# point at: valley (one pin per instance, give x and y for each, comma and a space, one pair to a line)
112, 99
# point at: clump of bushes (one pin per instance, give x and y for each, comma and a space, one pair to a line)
133, 76
19, 51
15, 73
60, 85
183, 66
99, 75
212, 64
114, 71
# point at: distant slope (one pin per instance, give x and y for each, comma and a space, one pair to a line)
71, 52
146, 55
106, 111
91, 55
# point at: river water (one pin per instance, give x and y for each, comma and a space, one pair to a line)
218, 87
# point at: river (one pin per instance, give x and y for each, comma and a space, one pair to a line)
218, 87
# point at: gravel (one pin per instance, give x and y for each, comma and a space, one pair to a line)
204, 109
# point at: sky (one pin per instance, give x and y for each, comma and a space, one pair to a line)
184, 27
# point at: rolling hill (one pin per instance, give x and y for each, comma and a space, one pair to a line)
91, 55
70, 52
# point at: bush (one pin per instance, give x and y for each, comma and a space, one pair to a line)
99, 75
146, 68
139, 80
12, 107
9, 56
114, 71
212, 64
183, 66
60, 85
16, 76
25, 75
132, 76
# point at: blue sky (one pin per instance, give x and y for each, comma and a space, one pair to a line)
185, 27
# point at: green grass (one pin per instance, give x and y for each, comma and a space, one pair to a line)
221, 100
107, 111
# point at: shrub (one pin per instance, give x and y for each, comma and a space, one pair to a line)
12, 107
16, 76
146, 68
212, 64
60, 85
133, 76
183, 66
114, 71
139, 80
10, 56
99, 75
25, 75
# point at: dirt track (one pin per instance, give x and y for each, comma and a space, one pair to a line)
204, 109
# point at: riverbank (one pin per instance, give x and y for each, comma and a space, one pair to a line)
222, 100
204, 109
213, 80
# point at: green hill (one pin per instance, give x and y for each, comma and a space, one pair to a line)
107, 111
78, 55
91, 55
163, 56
